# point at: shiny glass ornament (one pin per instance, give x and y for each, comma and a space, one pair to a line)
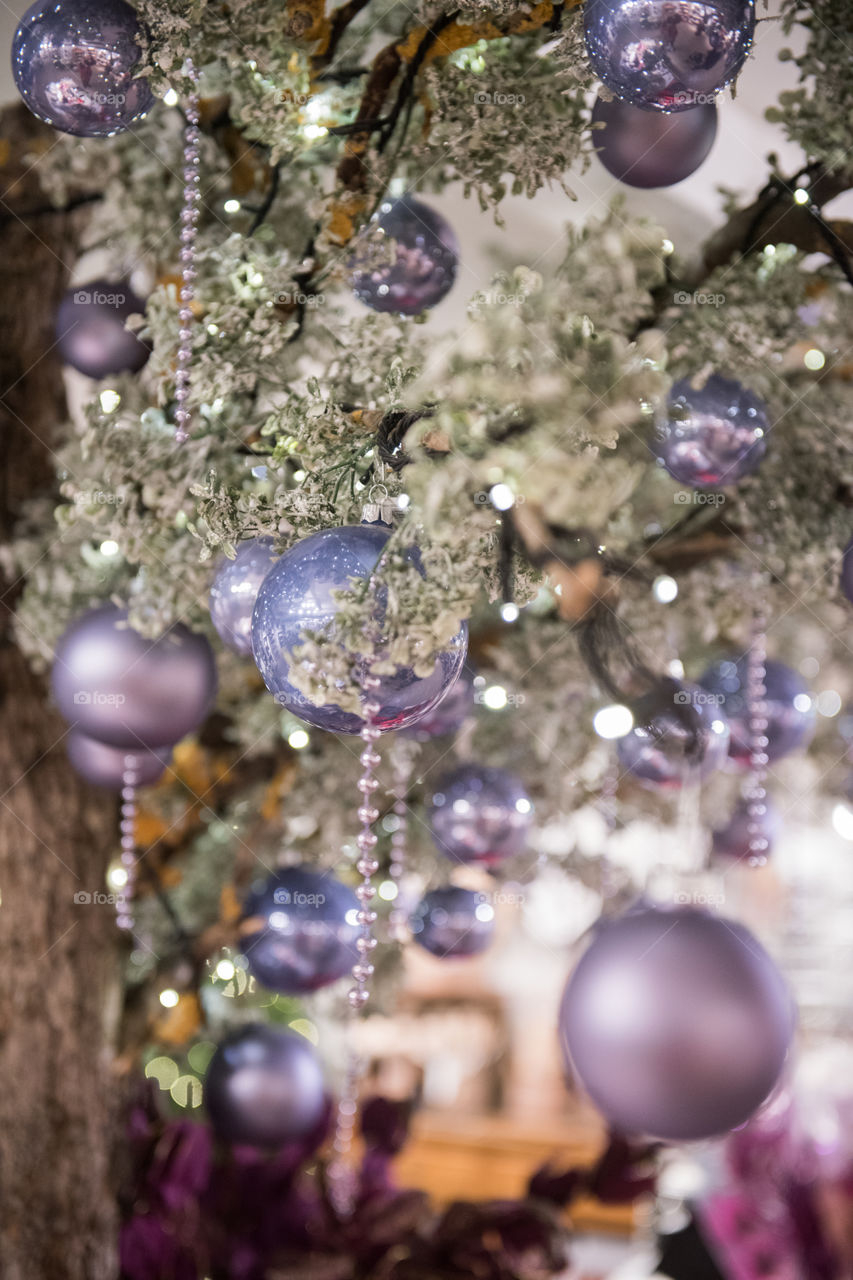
424, 262
449, 714
108, 766
677, 1023
235, 589
263, 1087
646, 149
74, 63
734, 843
479, 814
299, 930
712, 435
453, 922
667, 55
679, 736
789, 708
90, 329
114, 685
297, 595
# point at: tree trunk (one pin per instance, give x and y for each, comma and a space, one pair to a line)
58, 957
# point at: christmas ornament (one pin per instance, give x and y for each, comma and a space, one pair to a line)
788, 708
679, 736
190, 212
263, 1087
90, 329
677, 1023
663, 56
449, 714
453, 922
423, 268
114, 685
714, 434
646, 149
234, 592
738, 842
479, 814
74, 62
108, 766
297, 595
299, 930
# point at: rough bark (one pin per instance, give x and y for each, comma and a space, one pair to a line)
58, 957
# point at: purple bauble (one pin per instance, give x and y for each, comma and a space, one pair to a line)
235, 589
448, 715
679, 737
297, 596
667, 55
847, 571
106, 766
445, 922
74, 62
263, 1087
90, 329
646, 149
424, 268
299, 930
733, 841
479, 814
788, 706
713, 435
114, 685
677, 1023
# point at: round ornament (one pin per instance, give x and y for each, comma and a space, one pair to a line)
713, 435
109, 766
677, 1022
235, 589
663, 56
423, 263
264, 1087
298, 596
646, 149
789, 709
453, 922
735, 843
449, 714
679, 737
299, 930
114, 685
74, 63
90, 329
479, 814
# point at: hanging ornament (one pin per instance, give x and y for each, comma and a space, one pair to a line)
74, 62
90, 329
106, 766
114, 685
453, 922
264, 1087
235, 589
679, 737
789, 709
646, 149
713, 435
677, 1023
661, 56
738, 842
449, 714
479, 814
298, 595
299, 930
425, 256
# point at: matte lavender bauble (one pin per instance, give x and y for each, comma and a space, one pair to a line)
74, 63
712, 435
453, 922
788, 708
647, 149
667, 55
297, 595
479, 814
114, 685
680, 736
424, 264
733, 841
677, 1023
235, 589
299, 930
263, 1087
90, 329
107, 766
448, 715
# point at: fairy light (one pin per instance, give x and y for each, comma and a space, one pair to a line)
613, 721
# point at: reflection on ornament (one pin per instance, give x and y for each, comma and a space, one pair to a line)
788, 706
90, 329
453, 922
264, 1087
450, 713
645, 149
679, 737
235, 589
423, 269
713, 435
108, 766
479, 814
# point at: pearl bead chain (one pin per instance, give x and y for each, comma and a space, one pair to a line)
398, 916
189, 228
130, 780
756, 792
